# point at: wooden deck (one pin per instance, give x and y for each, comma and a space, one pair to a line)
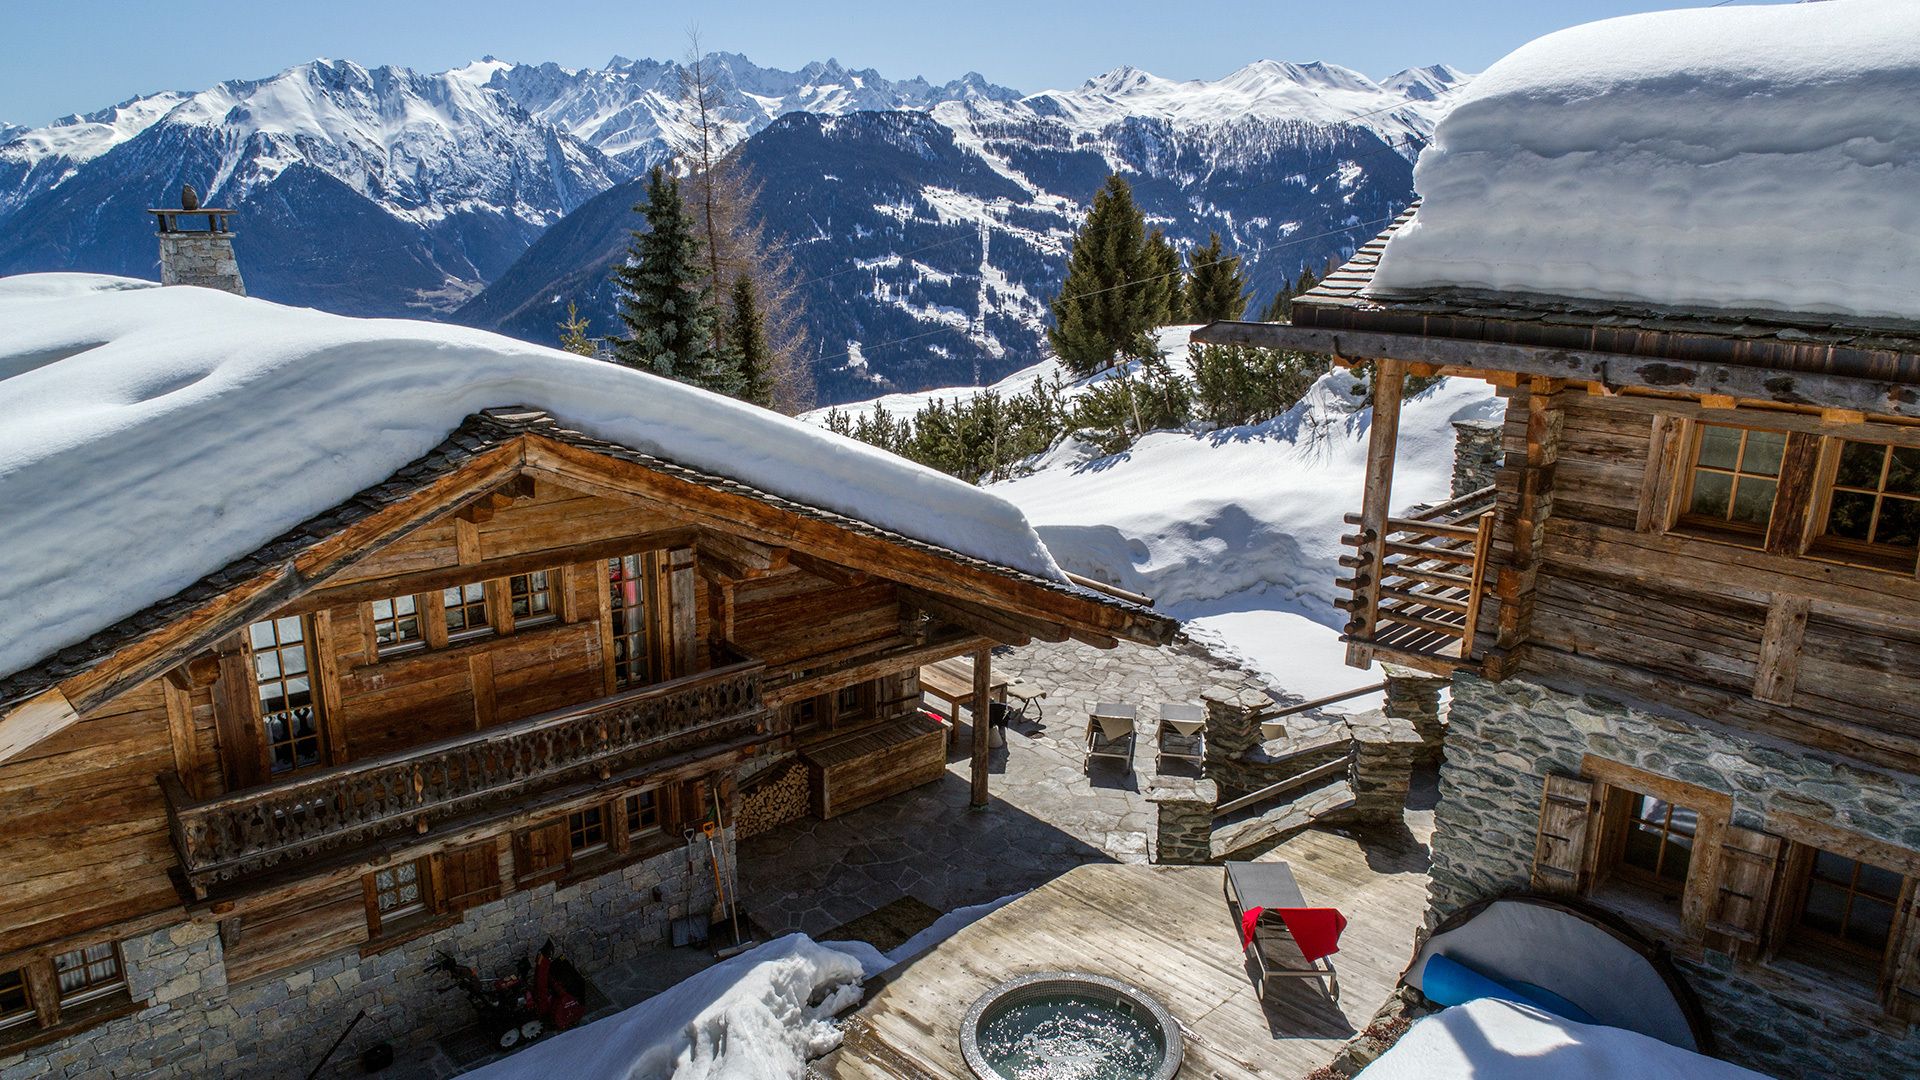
1166, 930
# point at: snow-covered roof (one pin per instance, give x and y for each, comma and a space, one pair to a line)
1763, 158
151, 436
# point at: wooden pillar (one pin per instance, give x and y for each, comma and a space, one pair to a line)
1376, 503
1545, 411
982, 711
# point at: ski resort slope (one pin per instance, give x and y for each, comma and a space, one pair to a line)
1235, 531
194, 426
1684, 158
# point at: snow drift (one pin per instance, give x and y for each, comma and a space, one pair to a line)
1734, 157
757, 1016
152, 435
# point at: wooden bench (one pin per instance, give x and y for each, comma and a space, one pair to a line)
866, 766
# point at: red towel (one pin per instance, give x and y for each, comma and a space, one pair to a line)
1316, 930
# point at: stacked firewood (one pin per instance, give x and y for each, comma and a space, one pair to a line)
782, 795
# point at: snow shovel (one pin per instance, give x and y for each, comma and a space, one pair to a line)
690, 929
714, 836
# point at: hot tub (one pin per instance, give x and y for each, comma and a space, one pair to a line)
1064, 1025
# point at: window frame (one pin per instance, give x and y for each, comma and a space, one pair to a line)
1823, 544
29, 1014
423, 909
1621, 835
420, 614
90, 990
1725, 528
1800, 881
588, 839
469, 630
52, 1014
632, 814
316, 697
550, 588
645, 664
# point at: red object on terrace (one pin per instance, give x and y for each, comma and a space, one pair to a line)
1316, 930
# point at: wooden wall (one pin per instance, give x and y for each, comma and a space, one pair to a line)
1677, 618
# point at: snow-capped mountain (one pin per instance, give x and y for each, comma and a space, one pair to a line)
929, 243
631, 111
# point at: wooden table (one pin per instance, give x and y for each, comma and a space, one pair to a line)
952, 682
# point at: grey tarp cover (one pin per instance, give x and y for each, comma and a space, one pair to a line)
1558, 948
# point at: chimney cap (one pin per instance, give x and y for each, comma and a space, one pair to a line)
168, 218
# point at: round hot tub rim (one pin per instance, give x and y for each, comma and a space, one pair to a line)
1011, 991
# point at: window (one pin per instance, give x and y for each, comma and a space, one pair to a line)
1734, 477
466, 608
805, 715
289, 713
1875, 500
15, 1006
89, 973
398, 891
586, 831
396, 624
632, 642
532, 597
1849, 903
1657, 845
643, 812
852, 703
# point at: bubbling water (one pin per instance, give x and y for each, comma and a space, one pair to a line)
1071, 1037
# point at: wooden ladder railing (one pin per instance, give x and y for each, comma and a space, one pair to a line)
1424, 608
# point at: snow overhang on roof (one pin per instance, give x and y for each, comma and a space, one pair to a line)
1740, 159
162, 445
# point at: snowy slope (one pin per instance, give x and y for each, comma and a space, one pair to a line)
1732, 157
1486, 1039
218, 422
32, 161
1236, 531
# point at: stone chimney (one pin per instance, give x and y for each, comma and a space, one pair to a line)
196, 246
1476, 454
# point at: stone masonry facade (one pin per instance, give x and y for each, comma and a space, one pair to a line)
278, 1025
1502, 738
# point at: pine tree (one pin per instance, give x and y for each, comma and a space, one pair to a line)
1216, 290
573, 333
1103, 312
1166, 284
747, 348
667, 310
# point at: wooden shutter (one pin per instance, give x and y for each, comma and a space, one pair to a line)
469, 876
540, 853
1560, 847
1900, 985
1743, 884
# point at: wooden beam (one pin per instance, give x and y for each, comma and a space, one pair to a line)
834, 572
982, 715
753, 558
1695, 377
196, 672
37, 718
1001, 626
1779, 666
872, 666
1376, 499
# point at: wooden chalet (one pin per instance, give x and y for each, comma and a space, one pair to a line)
1682, 630
530, 658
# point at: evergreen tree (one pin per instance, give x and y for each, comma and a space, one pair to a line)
664, 303
1166, 285
1216, 290
1102, 312
747, 349
573, 333
1280, 308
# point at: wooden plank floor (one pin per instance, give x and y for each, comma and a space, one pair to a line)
1166, 930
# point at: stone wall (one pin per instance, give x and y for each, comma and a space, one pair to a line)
199, 1026
1476, 454
200, 258
1414, 696
1183, 819
1501, 740
1384, 751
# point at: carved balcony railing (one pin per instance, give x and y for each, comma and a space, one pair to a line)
1423, 608
329, 810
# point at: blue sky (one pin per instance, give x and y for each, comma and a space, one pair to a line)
63, 56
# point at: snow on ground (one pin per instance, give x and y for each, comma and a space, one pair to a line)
1685, 157
198, 425
757, 1016
943, 928
1236, 531
1487, 1039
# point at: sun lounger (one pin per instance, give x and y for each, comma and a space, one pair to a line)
1183, 735
1110, 733
1282, 930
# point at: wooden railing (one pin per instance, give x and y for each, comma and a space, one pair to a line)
312, 814
1423, 607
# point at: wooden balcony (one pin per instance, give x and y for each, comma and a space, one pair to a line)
1418, 588
327, 811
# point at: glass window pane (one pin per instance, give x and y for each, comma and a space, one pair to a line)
451, 596
1679, 855
1851, 515
1753, 501
1764, 450
1903, 474
266, 665
1643, 848
1719, 447
1877, 882
1899, 523
261, 635
1860, 465
294, 660
383, 609
1825, 904
1711, 493
402, 605
1870, 923
288, 629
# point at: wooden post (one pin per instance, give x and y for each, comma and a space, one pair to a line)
982, 712
1376, 503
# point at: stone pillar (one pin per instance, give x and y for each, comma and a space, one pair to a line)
1384, 748
1476, 454
200, 257
1414, 696
1233, 729
1183, 806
